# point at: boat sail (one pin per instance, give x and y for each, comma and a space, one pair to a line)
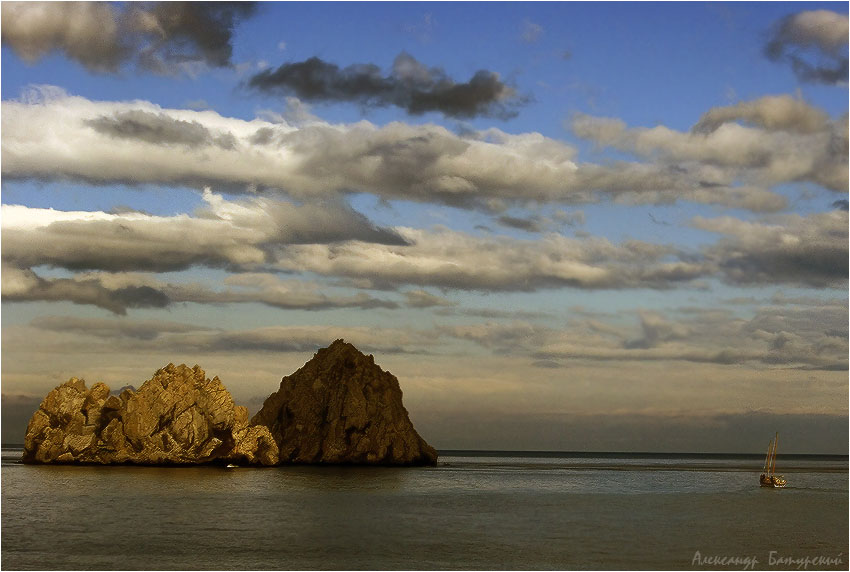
769, 478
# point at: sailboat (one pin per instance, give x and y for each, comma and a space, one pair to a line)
769, 478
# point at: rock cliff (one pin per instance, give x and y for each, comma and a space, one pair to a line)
179, 416
342, 408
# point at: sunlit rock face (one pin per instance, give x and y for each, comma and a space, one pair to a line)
179, 416
341, 408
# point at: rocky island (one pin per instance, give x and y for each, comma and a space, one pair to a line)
339, 408
342, 408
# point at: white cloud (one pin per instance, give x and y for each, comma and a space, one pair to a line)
223, 234
787, 141
48, 135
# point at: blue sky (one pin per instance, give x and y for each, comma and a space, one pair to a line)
612, 214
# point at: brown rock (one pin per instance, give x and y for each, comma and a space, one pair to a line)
176, 417
342, 408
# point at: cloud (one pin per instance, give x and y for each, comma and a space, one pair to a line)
223, 234
790, 249
237, 235
450, 259
656, 329
809, 337
270, 290
786, 141
147, 336
158, 129
163, 37
410, 85
772, 112
530, 224
261, 235
423, 299
530, 32
796, 334
24, 285
255, 236
119, 292
540, 223
105, 328
48, 135
814, 42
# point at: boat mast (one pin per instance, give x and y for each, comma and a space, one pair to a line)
775, 447
767, 456
770, 455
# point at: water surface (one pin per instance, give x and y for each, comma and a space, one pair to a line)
473, 511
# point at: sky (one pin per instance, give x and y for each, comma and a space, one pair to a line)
563, 225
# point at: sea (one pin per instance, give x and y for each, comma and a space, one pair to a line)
476, 510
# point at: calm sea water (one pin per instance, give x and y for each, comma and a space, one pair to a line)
473, 511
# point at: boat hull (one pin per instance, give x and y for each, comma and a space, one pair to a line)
772, 481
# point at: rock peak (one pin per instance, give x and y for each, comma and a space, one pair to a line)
340, 407
342, 350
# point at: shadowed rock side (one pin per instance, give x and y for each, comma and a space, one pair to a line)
176, 417
342, 408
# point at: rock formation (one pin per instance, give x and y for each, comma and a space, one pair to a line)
176, 417
339, 408
342, 408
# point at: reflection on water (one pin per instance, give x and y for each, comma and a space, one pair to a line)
467, 513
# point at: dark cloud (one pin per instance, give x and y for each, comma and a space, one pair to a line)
814, 43
121, 292
158, 36
805, 251
539, 223
547, 364
26, 286
158, 129
841, 204
410, 85
192, 32
531, 224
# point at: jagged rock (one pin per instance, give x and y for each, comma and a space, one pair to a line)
176, 417
342, 408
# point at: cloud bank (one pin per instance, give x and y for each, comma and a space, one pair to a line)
224, 234
48, 135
